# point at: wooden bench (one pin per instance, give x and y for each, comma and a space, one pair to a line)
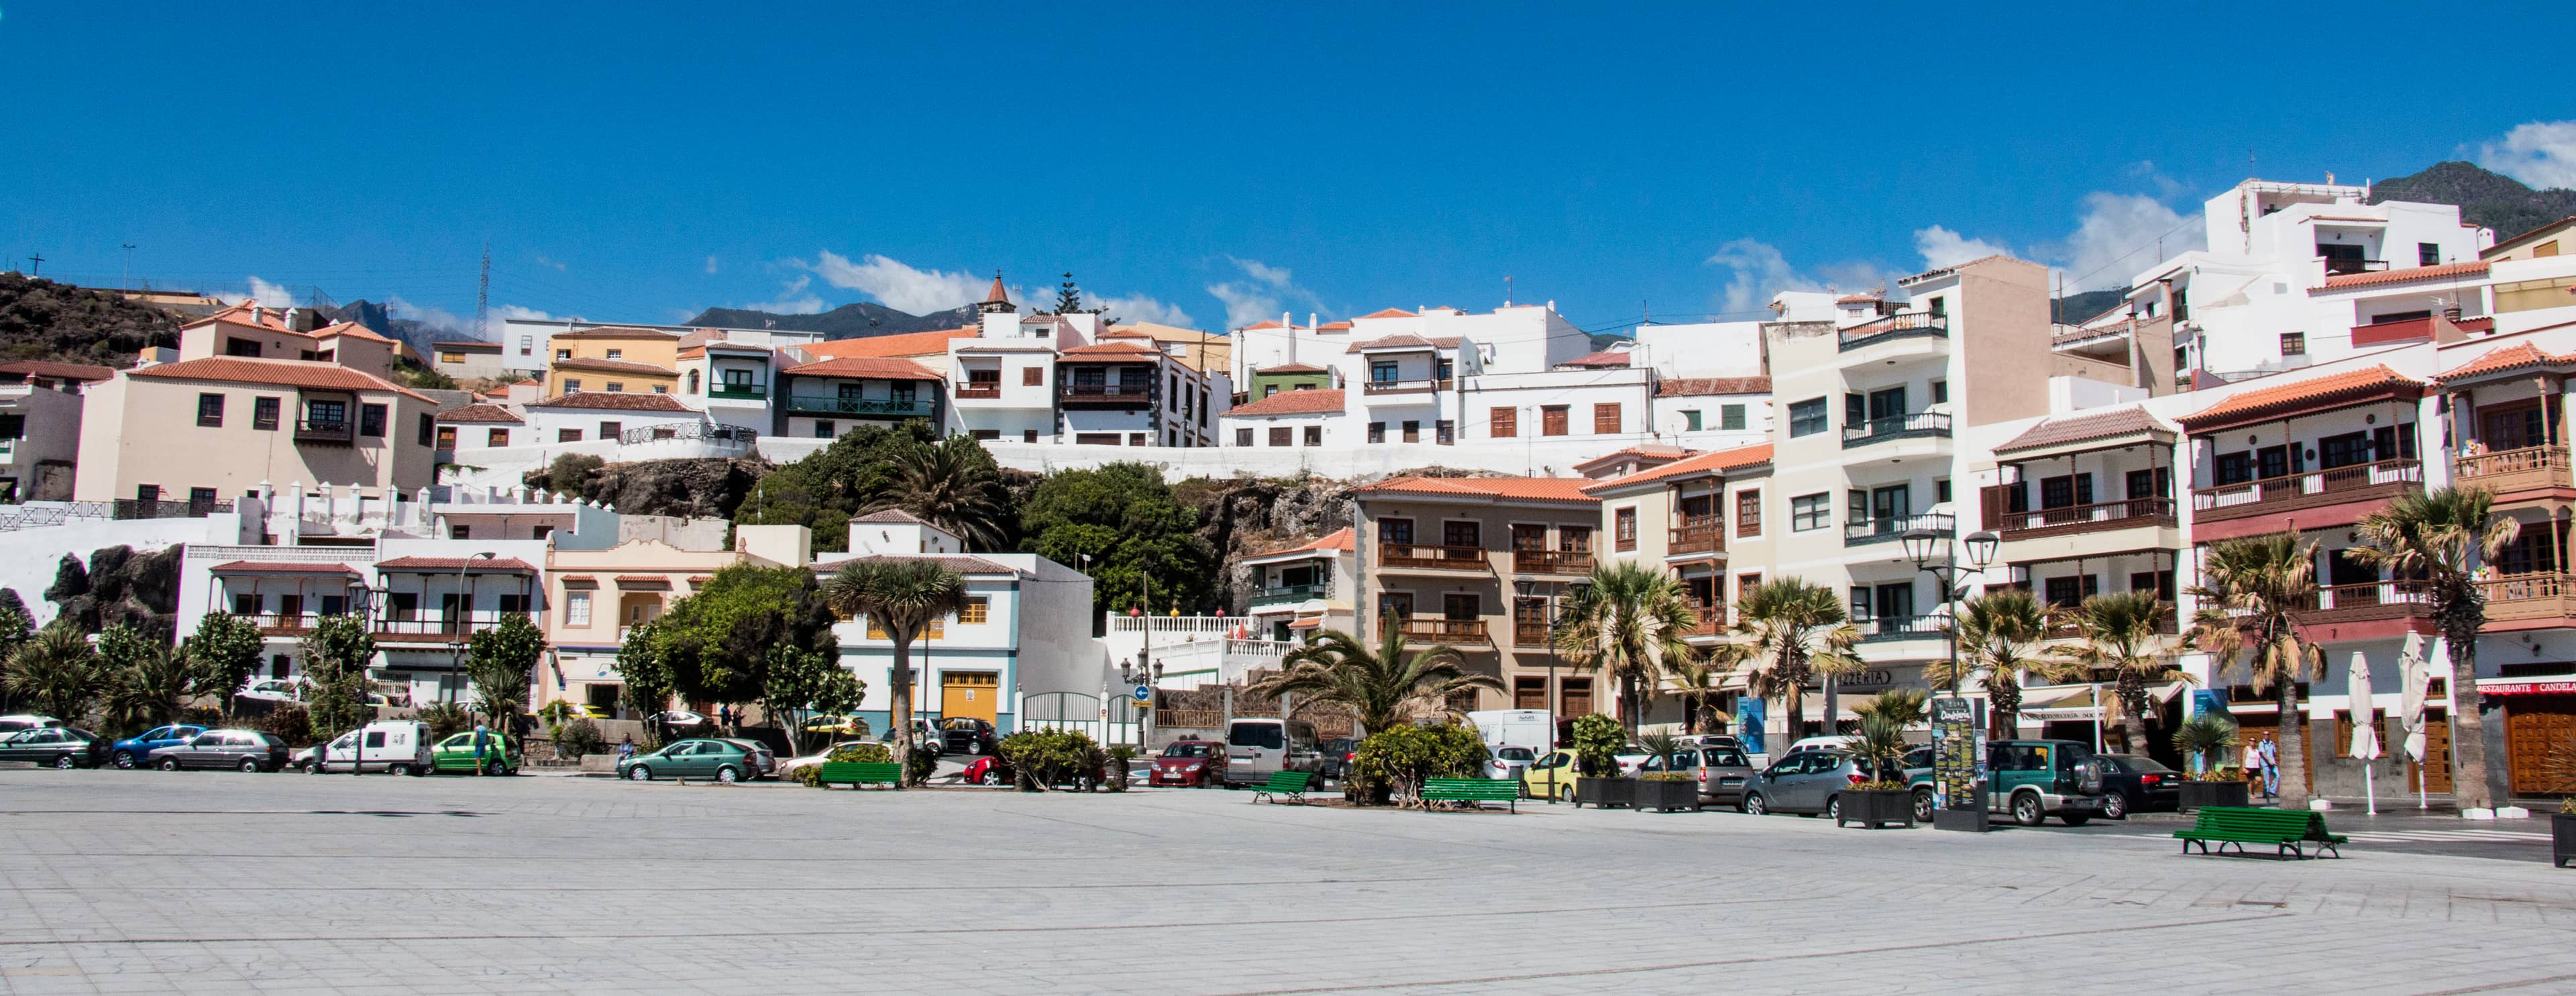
857, 773
1473, 790
2287, 830
1284, 785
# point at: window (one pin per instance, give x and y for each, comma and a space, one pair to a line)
2428, 254
1448, 369
263, 413
616, 386
1314, 435
1730, 417
2157, 483
567, 435
201, 496
571, 385
563, 354
241, 347
1940, 391
1605, 418
661, 388
1529, 536
451, 356
444, 438
1551, 420
611, 430
210, 410
371, 420
1940, 490
1748, 512
460, 532
2294, 344
1467, 533
1033, 376
1690, 421
1412, 432
1808, 512
497, 437
1444, 432
1623, 529
526, 343
428, 433
1138, 439
1269, 389
822, 428
1281, 435
616, 354
1504, 422
1242, 437
1382, 371
2343, 450
986, 435
976, 611
1377, 432
1395, 532
1026, 435
333, 415
1806, 418
1574, 539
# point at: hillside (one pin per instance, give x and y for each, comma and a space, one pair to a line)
2484, 198
849, 321
44, 320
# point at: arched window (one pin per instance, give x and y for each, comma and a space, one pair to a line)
693, 382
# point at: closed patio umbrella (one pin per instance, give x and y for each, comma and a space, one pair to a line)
2365, 725
2416, 678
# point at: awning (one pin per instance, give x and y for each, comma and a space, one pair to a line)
2057, 696
2165, 692
643, 582
580, 582
1308, 622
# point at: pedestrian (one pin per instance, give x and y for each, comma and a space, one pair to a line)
2271, 769
481, 733
626, 747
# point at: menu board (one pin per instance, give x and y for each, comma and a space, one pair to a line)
1958, 753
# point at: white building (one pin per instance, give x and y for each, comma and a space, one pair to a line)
1308, 418
527, 343
602, 415
40, 427
1297, 591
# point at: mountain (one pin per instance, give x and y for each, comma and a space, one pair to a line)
2074, 308
379, 319
2490, 199
849, 321
44, 320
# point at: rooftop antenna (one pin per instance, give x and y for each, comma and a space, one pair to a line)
128, 283
1507, 292
483, 293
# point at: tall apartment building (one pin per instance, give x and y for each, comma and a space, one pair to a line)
1441, 560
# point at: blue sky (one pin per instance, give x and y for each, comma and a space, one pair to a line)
639, 162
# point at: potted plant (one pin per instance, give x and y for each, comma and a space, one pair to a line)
2203, 740
1597, 740
1884, 798
1664, 789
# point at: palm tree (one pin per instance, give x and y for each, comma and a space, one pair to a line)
901, 597
1383, 687
1629, 620
1999, 635
1695, 680
2251, 592
57, 673
2433, 536
951, 484
1788, 630
148, 691
2117, 633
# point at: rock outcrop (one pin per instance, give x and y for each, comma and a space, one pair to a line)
120, 585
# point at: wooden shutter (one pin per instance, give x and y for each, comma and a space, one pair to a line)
1605, 418
1505, 422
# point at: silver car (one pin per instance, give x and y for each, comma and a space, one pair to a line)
1807, 783
248, 750
1722, 772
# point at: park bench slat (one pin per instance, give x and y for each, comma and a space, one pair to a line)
857, 773
1476, 790
1284, 784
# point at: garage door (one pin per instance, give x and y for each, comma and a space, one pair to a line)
969, 693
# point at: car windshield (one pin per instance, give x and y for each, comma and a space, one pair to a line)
1515, 754
1187, 750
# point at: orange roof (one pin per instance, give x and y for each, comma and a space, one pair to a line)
1604, 358
2316, 394
903, 344
479, 413
1333, 327
1291, 368
879, 367
614, 366
1389, 313
1339, 539
284, 373
1660, 453
1554, 489
2513, 357
1705, 463
350, 329
1265, 324
997, 295
1311, 401
2402, 276
1111, 349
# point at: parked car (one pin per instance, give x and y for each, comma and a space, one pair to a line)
54, 747
1257, 748
130, 752
1721, 771
456, 753
248, 750
1808, 783
987, 770
789, 767
2135, 783
1337, 759
2032, 780
26, 721
1821, 743
1632, 759
1507, 763
1191, 763
966, 735
302, 758
393, 746
847, 726
273, 690
722, 760
1550, 777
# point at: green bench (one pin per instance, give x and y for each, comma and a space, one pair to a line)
1284, 785
857, 773
2288, 830
1473, 790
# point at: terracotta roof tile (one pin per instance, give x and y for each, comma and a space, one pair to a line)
2314, 394
479, 413
2128, 421
2348, 280
66, 371
1342, 326
1258, 326
904, 344
997, 295
878, 367
2513, 357
1389, 313
889, 517
350, 329
1406, 340
962, 565
1551, 489
1311, 401
283, 373
1718, 462
1342, 539
1111, 349
1284, 368
614, 366
1649, 451
480, 565
1604, 358
616, 332
615, 401
1859, 299
1687, 387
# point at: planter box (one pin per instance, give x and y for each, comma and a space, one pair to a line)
2562, 839
1877, 808
1663, 796
2199, 794
1603, 792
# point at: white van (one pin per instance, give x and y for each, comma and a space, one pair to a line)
1514, 738
393, 746
1259, 748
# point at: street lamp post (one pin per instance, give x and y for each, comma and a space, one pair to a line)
1528, 589
464, 613
1921, 543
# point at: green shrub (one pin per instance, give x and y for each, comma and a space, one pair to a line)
1122, 759
1397, 761
2203, 740
445, 718
1050, 757
923, 763
1668, 776
579, 737
1597, 741
288, 722
862, 754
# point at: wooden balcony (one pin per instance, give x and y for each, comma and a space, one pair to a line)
1711, 620
987, 389
2525, 597
1551, 562
2094, 518
1432, 629
1529, 634
1127, 395
2307, 489
2345, 603
325, 432
1432, 558
1698, 536
1402, 386
436, 628
2504, 472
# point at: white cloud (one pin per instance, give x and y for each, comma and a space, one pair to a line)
1269, 292
901, 287
1760, 271
1275, 276
792, 300
2119, 235
543, 261
1140, 308
270, 295
440, 318
2539, 153
1942, 248
711, 264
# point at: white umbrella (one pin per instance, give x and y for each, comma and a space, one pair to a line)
2415, 678
2365, 725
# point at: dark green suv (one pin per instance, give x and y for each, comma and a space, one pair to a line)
2030, 781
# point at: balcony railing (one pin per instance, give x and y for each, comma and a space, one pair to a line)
437, 628
1432, 629
980, 390
878, 407
1711, 620
2097, 517
1451, 558
2342, 603
1288, 593
136, 508
1916, 426
1890, 529
2508, 471
328, 431
2164, 626
273, 624
1903, 628
1402, 386
1106, 394
2079, 337
1529, 634
1904, 325
1698, 536
1551, 562
2307, 489
2521, 597
740, 392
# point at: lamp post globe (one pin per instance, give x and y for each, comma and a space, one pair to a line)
1982, 546
1920, 543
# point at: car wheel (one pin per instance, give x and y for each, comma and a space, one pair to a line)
1565, 793
639, 773
2026, 810
63, 761
250, 765
398, 769
1923, 807
125, 759
727, 775
989, 777
2116, 807
314, 768
1754, 804
169, 764
1834, 810
973, 749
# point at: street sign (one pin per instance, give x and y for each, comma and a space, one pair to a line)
1144, 693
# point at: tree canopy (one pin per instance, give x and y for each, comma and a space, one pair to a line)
822, 491
715, 645
1125, 517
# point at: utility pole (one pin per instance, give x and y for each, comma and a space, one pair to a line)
128, 283
483, 293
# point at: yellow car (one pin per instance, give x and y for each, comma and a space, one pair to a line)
848, 726
1550, 777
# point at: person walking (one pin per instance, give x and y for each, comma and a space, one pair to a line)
482, 733
2271, 754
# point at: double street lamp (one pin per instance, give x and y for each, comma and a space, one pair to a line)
1922, 544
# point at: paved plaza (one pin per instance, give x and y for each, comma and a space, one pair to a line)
147, 882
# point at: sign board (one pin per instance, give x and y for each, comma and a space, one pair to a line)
1143, 693
1959, 758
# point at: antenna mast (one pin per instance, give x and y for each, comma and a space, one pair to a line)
483, 293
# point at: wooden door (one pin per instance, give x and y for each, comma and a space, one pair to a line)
2261, 727
974, 694
2437, 751
2534, 727
1576, 698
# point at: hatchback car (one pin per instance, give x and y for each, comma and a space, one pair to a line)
131, 751
54, 747
722, 760
1192, 763
1507, 763
790, 766
966, 735
456, 754
2135, 783
1808, 782
1722, 772
1550, 777
273, 690
248, 750
1337, 759
988, 770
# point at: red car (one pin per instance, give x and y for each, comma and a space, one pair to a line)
1191, 763
986, 770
